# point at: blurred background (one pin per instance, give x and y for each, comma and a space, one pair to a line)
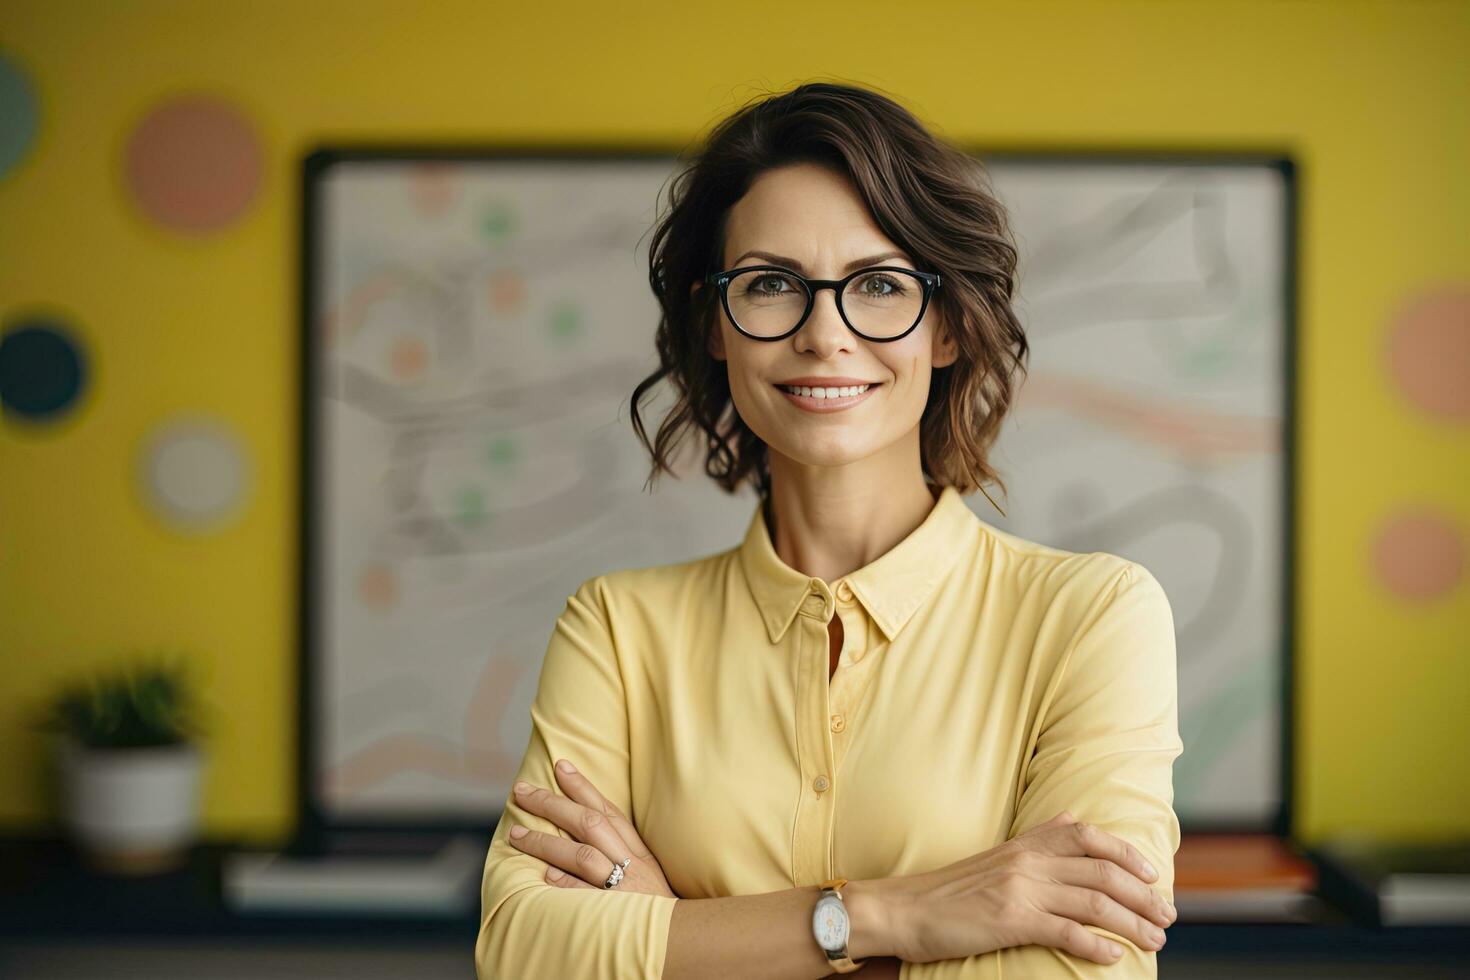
318, 324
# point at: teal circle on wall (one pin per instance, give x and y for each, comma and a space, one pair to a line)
19, 115
42, 368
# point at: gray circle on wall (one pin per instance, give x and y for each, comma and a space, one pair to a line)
194, 473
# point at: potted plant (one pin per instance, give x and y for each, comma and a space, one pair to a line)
129, 765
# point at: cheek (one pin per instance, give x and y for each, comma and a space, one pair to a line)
908, 367
746, 387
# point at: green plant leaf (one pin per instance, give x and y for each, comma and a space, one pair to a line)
150, 702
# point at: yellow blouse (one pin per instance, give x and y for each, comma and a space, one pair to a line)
986, 683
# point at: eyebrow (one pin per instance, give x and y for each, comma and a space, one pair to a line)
794, 264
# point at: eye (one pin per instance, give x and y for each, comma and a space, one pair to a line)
768, 284
879, 284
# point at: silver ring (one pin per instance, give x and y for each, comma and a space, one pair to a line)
617, 874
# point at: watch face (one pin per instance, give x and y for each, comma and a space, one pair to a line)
829, 923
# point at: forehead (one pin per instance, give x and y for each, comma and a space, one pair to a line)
806, 211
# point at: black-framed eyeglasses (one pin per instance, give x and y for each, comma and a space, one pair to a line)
770, 302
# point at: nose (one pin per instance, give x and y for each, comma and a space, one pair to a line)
824, 326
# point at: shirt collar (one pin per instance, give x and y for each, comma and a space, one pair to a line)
891, 587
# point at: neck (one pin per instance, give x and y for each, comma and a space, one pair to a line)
830, 521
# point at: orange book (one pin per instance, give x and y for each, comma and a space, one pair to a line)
1243, 878
1230, 861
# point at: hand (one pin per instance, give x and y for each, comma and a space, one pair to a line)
602, 830
1040, 887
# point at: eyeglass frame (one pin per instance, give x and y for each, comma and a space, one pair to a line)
929, 280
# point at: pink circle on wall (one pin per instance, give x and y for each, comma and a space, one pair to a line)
434, 186
409, 359
194, 163
1419, 554
1429, 351
377, 587
507, 291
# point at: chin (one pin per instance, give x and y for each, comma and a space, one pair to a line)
824, 455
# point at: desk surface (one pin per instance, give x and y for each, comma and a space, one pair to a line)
47, 895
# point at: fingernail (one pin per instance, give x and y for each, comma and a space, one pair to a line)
1169, 907
1148, 869
565, 766
1115, 950
518, 831
523, 788
554, 874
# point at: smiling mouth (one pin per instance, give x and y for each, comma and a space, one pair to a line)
845, 391
826, 401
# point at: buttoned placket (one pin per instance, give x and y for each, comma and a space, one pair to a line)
823, 725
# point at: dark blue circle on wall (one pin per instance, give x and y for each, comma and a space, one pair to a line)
42, 368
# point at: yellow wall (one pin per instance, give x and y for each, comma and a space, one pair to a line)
1368, 97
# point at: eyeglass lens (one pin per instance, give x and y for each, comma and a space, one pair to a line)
768, 303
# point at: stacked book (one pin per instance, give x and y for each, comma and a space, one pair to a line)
1244, 878
1397, 884
391, 875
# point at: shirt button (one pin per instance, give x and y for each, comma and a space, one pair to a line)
844, 591
838, 723
820, 784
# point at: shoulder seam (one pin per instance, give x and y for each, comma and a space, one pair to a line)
1099, 606
1037, 549
598, 586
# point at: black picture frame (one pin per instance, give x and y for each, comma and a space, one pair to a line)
314, 832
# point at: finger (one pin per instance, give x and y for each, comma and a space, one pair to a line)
578, 787
559, 878
1103, 875
1097, 908
585, 824
1066, 934
1085, 838
1061, 819
582, 860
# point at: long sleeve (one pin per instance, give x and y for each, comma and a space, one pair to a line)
1105, 752
528, 927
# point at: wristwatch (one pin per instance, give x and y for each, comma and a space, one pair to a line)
831, 926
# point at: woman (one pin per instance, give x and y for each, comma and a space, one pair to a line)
965, 736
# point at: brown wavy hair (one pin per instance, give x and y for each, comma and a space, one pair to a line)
930, 198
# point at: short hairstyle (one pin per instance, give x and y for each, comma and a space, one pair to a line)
930, 198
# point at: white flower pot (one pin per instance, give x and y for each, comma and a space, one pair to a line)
131, 810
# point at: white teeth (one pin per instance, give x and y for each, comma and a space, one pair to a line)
825, 392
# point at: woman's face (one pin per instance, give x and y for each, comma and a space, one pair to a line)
814, 218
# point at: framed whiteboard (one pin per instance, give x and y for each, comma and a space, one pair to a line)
474, 322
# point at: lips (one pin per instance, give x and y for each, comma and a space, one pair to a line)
817, 381
795, 388
813, 404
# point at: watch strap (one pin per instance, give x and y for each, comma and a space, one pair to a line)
839, 960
